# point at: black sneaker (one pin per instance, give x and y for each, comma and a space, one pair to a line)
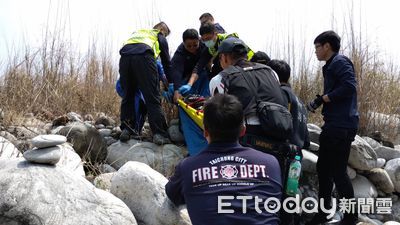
125, 135
318, 218
160, 140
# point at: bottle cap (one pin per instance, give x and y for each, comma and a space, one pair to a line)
297, 157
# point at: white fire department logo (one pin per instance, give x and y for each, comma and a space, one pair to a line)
229, 171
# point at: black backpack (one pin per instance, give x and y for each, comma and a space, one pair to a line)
275, 119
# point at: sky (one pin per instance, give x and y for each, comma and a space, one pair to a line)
263, 24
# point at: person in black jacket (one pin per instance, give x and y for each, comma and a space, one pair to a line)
225, 172
339, 101
233, 59
212, 39
184, 60
296, 107
138, 70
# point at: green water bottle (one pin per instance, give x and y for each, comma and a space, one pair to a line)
292, 184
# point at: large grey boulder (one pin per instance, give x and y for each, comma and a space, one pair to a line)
396, 211
309, 162
143, 190
351, 173
363, 188
391, 122
75, 117
372, 142
105, 168
380, 178
104, 132
175, 134
86, 141
387, 152
104, 120
70, 160
380, 163
314, 131
161, 158
393, 169
365, 220
314, 147
391, 223
8, 150
362, 156
42, 194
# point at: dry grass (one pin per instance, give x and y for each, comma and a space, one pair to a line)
53, 80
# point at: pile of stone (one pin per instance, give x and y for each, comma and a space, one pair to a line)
46, 149
372, 167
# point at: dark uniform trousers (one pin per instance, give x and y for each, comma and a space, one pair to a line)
140, 71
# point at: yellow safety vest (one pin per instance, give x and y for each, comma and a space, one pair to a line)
148, 37
214, 50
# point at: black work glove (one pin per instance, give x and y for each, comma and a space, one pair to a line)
314, 104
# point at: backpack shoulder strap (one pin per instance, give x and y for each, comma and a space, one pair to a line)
225, 76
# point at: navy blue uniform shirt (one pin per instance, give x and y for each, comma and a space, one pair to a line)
219, 28
341, 87
299, 136
226, 169
182, 64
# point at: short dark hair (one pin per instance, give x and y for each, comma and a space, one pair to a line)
260, 57
329, 37
281, 68
207, 28
207, 16
223, 118
190, 34
237, 55
161, 24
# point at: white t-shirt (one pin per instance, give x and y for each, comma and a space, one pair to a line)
216, 85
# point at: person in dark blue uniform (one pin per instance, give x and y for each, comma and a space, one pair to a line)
138, 70
213, 183
184, 60
339, 101
299, 136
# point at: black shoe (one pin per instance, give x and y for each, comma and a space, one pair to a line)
160, 140
125, 135
318, 219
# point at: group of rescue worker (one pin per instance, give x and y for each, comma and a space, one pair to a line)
234, 156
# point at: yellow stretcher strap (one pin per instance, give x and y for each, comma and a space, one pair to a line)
196, 115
